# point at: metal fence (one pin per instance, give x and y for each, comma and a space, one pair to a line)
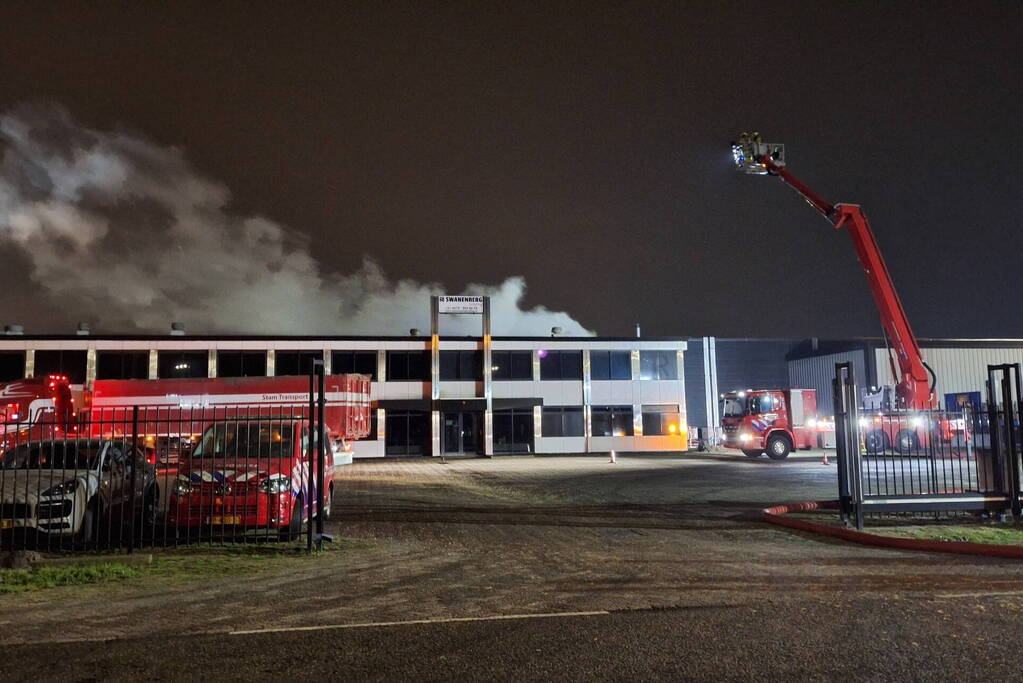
901, 461
130, 477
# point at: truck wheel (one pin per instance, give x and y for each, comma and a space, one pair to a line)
752, 453
778, 447
876, 442
906, 442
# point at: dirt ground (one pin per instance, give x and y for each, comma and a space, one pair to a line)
479, 537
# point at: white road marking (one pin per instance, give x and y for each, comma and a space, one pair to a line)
411, 622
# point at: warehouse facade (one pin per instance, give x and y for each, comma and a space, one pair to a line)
431, 396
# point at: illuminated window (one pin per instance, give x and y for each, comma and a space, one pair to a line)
658, 365
611, 420
661, 420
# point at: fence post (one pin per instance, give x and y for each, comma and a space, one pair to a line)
321, 437
308, 488
1013, 411
134, 474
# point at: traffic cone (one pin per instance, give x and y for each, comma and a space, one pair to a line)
825, 460
613, 458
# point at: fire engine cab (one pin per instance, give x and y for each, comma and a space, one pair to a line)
769, 420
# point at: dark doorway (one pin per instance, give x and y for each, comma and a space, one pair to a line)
462, 432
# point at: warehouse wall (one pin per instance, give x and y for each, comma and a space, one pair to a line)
817, 372
958, 369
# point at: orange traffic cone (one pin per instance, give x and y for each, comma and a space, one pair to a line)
825, 460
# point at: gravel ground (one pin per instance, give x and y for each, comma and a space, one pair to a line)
669, 547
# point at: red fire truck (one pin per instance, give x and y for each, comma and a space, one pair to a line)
174, 412
907, 426
769, 420
35, 408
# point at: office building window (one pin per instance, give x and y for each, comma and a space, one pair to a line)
182, 364
562, 421
561, 364
407, 432
372, 436
513, 430
241, 363
122, 365
12, 365
611, 420
658, 365
466, 366
511, 365
408, 366
70, 363
359, 362
610, 365
295, 362
663, 420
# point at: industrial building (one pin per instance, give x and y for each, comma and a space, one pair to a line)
431, 395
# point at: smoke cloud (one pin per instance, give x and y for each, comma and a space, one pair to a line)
121, 232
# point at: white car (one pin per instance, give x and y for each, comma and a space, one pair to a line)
78, 488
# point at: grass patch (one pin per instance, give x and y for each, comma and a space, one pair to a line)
21, 580
1002, 534
175, 565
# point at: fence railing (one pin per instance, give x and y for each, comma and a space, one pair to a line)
131, 477
927, 460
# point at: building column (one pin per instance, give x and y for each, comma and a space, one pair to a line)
587, 398
90, 366
211, 364
30, 363
154, 364
271, 360
488, 382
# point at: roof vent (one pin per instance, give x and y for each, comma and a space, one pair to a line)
14, 329
83, 330
414, 332
177, 329
555, 331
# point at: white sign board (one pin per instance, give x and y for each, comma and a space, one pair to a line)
460, 304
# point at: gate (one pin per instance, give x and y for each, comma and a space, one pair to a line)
929, 461
127, 477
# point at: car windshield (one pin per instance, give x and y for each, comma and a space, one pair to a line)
57, 455
733, 407
244, 440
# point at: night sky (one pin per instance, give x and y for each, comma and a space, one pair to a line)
583, 146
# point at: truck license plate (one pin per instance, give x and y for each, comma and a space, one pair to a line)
225, 519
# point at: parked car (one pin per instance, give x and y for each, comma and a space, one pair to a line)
250, 477
76, 487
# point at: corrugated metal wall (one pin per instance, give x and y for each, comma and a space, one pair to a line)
752, 364
817, 373
958, 370
696, 384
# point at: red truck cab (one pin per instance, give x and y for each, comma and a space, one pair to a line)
251, 476
35, 408
774, 421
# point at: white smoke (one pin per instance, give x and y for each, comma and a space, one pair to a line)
125, 233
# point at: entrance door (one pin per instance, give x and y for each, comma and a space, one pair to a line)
462, 432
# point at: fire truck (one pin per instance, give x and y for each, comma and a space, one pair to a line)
35, 408
774, 421
174, 412
906, 425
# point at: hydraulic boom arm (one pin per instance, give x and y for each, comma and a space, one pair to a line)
912, 389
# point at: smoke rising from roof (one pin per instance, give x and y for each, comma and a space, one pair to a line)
124, 233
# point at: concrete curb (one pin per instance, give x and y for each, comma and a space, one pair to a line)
775, 515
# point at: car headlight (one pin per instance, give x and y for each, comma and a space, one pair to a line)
182, 487
64, 489
277, 484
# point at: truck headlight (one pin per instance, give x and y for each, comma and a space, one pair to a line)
182, 487
744, 437
811, 423
64, 489
276, 484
